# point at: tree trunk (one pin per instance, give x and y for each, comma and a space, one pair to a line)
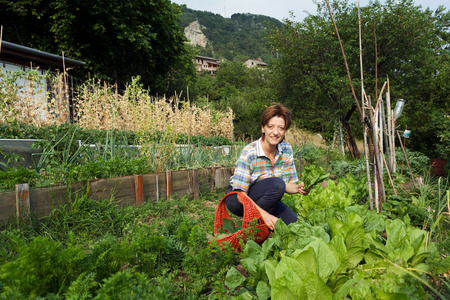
352, 147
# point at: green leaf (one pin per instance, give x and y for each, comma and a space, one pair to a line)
288, 263
327, 262
338, 227
229, 226
316, 289
270, 266
288, 286
396, 232
281, 234
374, 221
355, 255
253, 262
262, 290
337, 246
313, 175
234, 278
361, 290
355, 237
343, 291
307, 259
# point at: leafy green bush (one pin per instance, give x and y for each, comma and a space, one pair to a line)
9, 178
340, 193
342, 167
417, 161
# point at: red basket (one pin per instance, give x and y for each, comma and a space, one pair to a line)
250, 212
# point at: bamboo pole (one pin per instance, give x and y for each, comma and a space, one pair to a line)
342, 140
378, 180
389, 173
377, 152
376, 58
345, 61
1, 38
373, 158
392, 133
366, 154
386, 132
389, 129
366, 149
394, 164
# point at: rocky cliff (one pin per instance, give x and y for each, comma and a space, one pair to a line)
195, 34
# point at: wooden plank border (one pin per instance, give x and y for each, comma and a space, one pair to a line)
127, 190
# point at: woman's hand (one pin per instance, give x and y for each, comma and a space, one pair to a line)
302, 190
269, 219
294, 188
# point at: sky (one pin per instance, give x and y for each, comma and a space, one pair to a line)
278, 9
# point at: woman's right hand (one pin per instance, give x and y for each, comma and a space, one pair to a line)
270, 220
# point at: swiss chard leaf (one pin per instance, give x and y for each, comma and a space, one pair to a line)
313, 175
234, 278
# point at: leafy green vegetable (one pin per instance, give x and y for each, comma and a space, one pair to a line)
234, 278
313, 175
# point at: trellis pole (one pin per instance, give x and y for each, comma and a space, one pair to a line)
364, 107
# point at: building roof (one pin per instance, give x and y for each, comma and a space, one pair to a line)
253, 62
21, 55
206, 58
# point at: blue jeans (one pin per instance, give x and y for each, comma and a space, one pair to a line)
267, 194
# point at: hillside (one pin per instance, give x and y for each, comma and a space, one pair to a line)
237, 38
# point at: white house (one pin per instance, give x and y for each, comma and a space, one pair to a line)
17, 58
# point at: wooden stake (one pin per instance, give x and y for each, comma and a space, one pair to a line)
389, 173
139, 189
376, 59
22, 201
366, 148
169, 184
1, 38
406, 158
366, 154
378, 180
194, 180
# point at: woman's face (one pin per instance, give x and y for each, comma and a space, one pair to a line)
274, 130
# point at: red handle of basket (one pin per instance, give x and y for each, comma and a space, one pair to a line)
250, 211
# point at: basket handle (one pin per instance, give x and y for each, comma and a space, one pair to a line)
250, 211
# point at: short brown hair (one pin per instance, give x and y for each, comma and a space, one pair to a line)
276, 110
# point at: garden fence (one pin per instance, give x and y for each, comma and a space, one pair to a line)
129, 190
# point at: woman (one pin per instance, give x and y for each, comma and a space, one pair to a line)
265, 170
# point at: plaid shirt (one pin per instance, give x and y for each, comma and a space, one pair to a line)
253, 165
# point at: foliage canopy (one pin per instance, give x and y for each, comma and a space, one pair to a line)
400, 41
117, 39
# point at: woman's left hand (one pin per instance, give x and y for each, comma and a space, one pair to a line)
301, 189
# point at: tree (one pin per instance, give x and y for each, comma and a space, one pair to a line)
118, 39
410, 45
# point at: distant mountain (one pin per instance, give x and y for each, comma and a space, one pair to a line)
238, 38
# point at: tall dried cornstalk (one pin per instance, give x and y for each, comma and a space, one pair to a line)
40, 99
100, 106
